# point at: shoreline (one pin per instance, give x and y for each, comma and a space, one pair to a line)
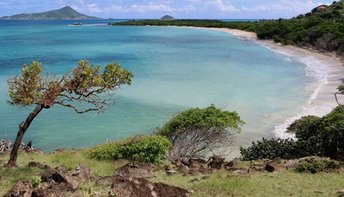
325, 70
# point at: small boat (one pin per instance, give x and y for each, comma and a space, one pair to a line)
77, 23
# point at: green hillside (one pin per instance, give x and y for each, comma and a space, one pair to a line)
321, 29
64, 13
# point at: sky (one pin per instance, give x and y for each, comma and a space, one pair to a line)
200, 9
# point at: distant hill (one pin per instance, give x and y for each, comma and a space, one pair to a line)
167, 17
65, 13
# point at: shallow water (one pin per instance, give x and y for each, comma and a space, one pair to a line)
174, 68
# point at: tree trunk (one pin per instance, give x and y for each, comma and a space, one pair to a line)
22, 129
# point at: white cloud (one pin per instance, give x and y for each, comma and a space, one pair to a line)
224, 6
295, 6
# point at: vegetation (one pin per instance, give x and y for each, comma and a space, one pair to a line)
315, 165
315, 136
196, 132
148, 149
321, 29
218, 184
86, 84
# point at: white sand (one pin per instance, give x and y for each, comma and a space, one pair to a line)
326, 69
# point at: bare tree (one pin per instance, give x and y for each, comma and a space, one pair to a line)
85, 89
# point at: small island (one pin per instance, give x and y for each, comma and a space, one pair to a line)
167, 17
65, 13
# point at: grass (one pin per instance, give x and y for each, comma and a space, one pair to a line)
219, 184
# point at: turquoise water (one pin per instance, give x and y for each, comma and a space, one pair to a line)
174, 68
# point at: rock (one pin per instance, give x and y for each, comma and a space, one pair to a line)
170, 172
239, 172
183, 169
81, 174
36, 164
5, 146
140, 187
59, 177
196, 163
54, 176
20, 189
203, 169
291, 164
269, 168
106, 181
139, 170
216, 162
229, 165
340, 193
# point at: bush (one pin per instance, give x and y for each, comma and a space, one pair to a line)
147, 149
314, 165
278, 149
315, 137
197, 132
36, 181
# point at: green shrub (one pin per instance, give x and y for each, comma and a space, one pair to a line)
36, 181
315, 137
278, 149
148, 149
314, 165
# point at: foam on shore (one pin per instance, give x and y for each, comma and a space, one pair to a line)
325, 72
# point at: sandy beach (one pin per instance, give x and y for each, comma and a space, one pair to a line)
327, 70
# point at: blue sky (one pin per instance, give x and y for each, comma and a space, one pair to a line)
221, 9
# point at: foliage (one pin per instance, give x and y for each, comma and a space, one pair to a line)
148, 149
222, 183
322, 30
87, 88
195, 132
277, 148
36, 181
315, 136
85, 84
314, 165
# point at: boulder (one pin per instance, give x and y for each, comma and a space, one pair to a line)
36, 164
140, 187
106, 180
59, 177
291, 164
139, 170
340, 193
20, 189
216, 162
269, 168
197, 163
183, 169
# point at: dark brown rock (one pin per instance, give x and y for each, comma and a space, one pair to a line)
183, 169
197, 163
139, 170
36, 164
106, 180
140, 187
20, 189
270, 168
216, 162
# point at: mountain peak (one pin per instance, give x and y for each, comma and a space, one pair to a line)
65, 13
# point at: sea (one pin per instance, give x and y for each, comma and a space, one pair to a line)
174, 69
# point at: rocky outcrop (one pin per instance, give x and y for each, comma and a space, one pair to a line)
139, 187
54, 182
139, 170
6, 147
